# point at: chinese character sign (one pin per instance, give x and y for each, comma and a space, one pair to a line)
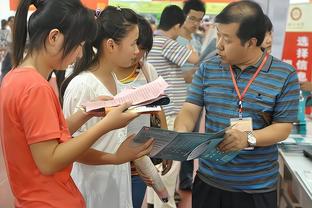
297, 47
298, 40
297, 52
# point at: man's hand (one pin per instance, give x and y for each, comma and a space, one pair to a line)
233, 140
127, 151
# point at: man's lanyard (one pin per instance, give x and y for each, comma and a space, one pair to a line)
241, 96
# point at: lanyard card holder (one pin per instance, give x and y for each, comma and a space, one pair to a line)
242, 124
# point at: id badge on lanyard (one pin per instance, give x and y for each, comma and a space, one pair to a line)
240, 123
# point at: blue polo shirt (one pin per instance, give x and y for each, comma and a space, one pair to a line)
272, 98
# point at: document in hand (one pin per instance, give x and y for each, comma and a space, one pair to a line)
149, 95
171, 145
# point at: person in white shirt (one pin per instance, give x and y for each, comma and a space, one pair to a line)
136, 75
168, 56
116, 44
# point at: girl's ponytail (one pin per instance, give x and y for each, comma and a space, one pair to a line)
20, 30
70, 17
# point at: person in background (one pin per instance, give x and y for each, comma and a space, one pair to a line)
167, 56
3, 24
194, 11
210, 39
239, 86
3, 39
267, 45
138, 74
267, 42
35, 136
7, 61
116, 46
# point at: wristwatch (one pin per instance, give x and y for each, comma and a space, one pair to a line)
251, 139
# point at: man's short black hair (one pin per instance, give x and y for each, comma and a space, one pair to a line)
250, 17
171, 16
196, 5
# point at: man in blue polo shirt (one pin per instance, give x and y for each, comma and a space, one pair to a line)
257, 92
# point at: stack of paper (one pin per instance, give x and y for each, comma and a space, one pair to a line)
150, 96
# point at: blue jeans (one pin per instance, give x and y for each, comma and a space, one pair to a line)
138, 191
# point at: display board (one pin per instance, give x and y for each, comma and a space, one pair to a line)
143, 6
298, 40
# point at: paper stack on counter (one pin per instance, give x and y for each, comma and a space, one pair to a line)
146, 98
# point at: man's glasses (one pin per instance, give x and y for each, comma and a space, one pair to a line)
194, 19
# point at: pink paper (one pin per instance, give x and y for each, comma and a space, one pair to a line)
135, 96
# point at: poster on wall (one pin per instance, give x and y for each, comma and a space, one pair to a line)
143, 6
298, 41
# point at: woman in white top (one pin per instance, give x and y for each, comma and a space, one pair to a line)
133, 76
103, 185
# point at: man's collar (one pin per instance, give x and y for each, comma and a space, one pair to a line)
267, 65
159, 32
265, 68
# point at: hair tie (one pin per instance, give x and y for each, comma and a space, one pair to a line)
98, 12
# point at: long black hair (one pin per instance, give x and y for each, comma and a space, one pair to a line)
112, 23
74, 21
145, 40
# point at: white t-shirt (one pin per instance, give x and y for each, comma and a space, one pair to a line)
102, 185
143, 120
